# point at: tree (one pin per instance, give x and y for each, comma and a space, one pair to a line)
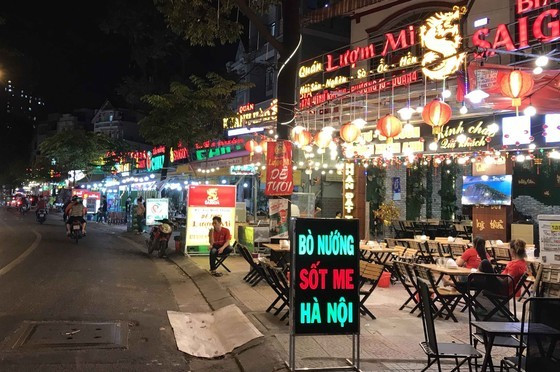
189, 113
205, 22
158, 55
78, 150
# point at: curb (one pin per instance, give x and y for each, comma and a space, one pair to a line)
249, 357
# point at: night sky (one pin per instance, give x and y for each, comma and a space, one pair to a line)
58, 50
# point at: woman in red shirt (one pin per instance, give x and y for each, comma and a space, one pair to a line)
517, 266
472, 257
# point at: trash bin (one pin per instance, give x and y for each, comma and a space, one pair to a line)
385, 280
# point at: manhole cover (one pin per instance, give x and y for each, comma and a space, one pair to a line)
72, 335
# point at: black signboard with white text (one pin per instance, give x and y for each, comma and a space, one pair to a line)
325, 276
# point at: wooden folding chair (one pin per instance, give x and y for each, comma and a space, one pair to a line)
279, 284
424, 254
255, 274
547, 282
501, 254
447, 297
405, 275
391, 242
456, 250
370, 273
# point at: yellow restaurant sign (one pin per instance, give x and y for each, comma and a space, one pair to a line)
252, 117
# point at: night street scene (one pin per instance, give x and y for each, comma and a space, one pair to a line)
280, 185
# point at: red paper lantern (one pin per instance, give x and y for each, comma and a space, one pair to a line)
516, 85
436, 114
302, 137
389, 126
323, 139
349, 132
251, 145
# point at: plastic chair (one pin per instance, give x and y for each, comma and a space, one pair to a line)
434, 350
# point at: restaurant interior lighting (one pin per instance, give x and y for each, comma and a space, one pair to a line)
463, 110
541, 61
433, 146
408, 127
537, 70
406, 113
446, 93
530, 110
360, 123
461, 138
520, 158
554, 154
476, 96
419, 109
245, 185
532, 146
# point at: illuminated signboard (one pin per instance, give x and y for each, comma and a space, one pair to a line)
552, 122
248, 115
543, 27
178, 154
516, 130
438, 39
156, 209
213, 149
325, 277
349, 190
467, 134
240, 170
205, 202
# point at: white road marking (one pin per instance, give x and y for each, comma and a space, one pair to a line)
6, 269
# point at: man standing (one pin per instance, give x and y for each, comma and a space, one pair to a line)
140, 210
219, 238
104, 209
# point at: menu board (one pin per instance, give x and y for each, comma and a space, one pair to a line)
549, 236
325, 276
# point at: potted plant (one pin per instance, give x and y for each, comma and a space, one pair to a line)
387, 212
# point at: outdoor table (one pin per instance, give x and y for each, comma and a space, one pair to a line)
376, 254
442, 270
492, 329
281, 254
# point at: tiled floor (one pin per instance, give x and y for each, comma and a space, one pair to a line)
391, 342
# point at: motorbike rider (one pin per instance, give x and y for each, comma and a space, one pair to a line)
76, 211
41, 204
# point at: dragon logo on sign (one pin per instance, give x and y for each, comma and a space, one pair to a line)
440, 35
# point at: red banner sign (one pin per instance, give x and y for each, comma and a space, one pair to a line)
212, 196
279, 171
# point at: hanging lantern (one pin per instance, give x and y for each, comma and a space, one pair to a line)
251, 146
349, 132
302, 137
389, 126
323, 139
436, 114
516, 85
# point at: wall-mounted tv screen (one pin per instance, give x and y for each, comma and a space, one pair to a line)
487, 190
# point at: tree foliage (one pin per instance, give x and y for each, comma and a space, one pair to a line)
158, 55
79, 150
189, 113
205, 22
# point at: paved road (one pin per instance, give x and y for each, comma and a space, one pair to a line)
46, 277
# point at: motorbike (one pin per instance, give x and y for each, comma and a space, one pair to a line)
76, 231
159, 237
41, 216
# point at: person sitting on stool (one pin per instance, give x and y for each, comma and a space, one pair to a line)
219, 238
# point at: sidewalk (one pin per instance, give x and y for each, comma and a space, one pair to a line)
389, 343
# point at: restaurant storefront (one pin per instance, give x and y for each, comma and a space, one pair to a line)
429, 95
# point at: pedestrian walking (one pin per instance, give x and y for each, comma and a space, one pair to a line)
140, 211
104, 209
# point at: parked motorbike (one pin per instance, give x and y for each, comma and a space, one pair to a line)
159, 237
41, 216
76, 231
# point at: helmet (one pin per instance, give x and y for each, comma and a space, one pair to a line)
165, 228
75, 197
